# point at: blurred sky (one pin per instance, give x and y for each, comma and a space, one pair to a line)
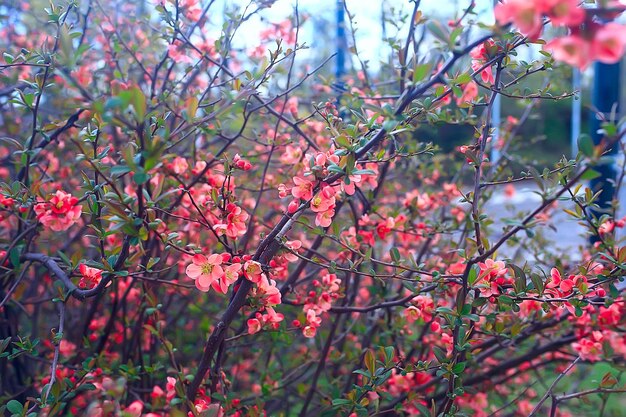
367, 19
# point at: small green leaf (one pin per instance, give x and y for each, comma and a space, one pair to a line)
458, 368
370, 361
420, 71
585, 145
15, 407
473, 274
141, 177
590, 174
395, 254
120, 169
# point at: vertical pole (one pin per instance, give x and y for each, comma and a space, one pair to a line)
605, 95
341, 42
496, 120
383, 16
576, 110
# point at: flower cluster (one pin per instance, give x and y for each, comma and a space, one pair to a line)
219, 271
493, 274
208, 272
60, 212
234, 224
270, 319
90, 277
322, 196
318, 302
588, 39
480, 56
422, 308
266, 292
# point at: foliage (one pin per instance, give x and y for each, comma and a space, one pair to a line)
193, 228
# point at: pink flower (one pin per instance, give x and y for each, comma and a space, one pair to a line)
170, 388
177, 54
525, 14
241, 163
572, 49
67, 348
179, 165
325, 218
312, 319
412, 314
555, 275
480, 56
252, 271
385, 227
273, 317
235, 225
313, 322
60, 213
492, 269
6, 201
590, 348
566, 286
323, 200
254, 326
231, 273
90, 276
134, 409
292, 106
192, 9
266, 288
309, 331
350, 189
606, 227
563, 12
470, 92
609, 43
157, 392
303, 188
291, 155
205, 270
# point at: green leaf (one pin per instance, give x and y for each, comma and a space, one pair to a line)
463, 78
390, 125
337, 402
537, 282
67, 46
505, 299
590, 174
138, 100
14, 257
473, 274
4, 343
389, 352
439, 31
335, 168
420, 71
120, 169
520, 278
585, 145
64, 258
458, 368
15, 407
140, 177
343, 141
440, 354
395, 254
454, 35
370, 361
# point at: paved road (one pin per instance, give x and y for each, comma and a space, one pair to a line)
565, 233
